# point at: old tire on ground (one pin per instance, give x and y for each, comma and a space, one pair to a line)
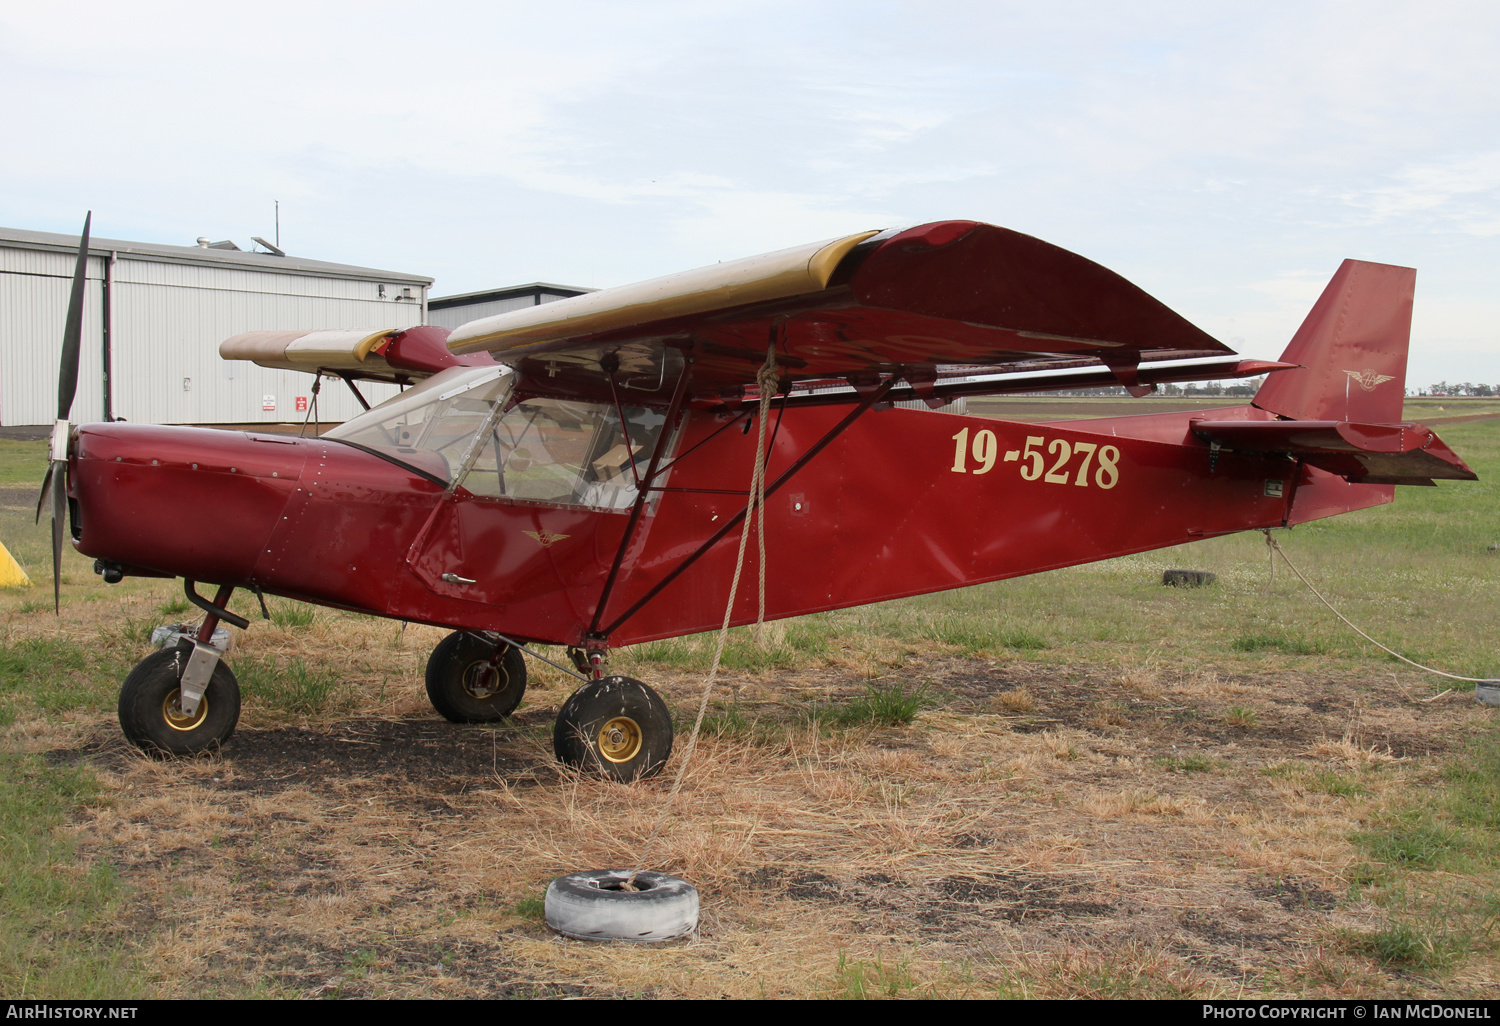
1187, 578
465, 688
617, 727
592, 906
151, 712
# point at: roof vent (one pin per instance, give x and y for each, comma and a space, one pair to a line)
203, 242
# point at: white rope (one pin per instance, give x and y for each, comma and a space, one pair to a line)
767, 379
1451, 676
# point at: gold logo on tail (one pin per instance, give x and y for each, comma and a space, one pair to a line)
1367, 379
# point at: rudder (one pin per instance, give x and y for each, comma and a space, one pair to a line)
1351, 349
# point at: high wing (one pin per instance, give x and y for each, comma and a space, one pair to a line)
927, 304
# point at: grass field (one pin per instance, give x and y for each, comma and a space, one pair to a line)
1076, 784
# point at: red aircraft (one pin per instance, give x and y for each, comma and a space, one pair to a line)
575, 474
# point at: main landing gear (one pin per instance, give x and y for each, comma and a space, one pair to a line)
614, 726
473, 680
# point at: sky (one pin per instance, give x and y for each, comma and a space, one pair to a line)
1224, 157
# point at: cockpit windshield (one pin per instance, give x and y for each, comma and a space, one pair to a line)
429, 426
464, 427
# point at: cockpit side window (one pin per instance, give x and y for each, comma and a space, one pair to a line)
538, 449
566, 452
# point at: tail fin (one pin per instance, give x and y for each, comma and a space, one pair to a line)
1351, 350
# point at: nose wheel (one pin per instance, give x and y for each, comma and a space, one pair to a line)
151, 709
616, 727
467, 685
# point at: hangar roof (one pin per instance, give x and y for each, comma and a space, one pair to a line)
509, 292
22, 238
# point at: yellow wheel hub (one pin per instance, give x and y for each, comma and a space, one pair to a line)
171, 711
620, 739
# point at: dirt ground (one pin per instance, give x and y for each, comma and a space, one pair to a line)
1039, 830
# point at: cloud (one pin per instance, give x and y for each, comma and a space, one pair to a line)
1461, 193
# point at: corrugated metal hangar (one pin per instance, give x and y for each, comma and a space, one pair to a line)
154, 316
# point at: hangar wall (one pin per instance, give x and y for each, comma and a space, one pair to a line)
160, 312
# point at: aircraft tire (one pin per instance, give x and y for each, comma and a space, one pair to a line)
455, 672
592, 906
148, 697
1187, 578
616, 727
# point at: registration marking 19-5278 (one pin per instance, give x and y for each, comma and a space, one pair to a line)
984, 450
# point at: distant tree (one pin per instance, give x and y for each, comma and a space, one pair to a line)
1463, 388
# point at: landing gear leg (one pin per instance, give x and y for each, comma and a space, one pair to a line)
183, 700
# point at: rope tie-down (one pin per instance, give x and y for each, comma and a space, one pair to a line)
642, 905
768, 380
1276, 549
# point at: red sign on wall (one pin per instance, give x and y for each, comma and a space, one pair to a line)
302, 404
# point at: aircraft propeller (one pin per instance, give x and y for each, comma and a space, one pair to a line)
54, 485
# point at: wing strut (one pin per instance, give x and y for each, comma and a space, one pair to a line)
643, 490
874, 396
348, 380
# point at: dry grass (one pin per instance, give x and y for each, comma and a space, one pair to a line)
1016, 700
898, 860
1044, 831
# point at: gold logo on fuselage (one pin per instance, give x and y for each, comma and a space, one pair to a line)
546, 538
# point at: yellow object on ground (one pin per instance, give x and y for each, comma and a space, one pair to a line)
11, 574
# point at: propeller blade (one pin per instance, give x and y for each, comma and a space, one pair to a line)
45, 495
67, 371
59, 500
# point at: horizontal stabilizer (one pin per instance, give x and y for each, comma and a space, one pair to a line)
1360, 453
